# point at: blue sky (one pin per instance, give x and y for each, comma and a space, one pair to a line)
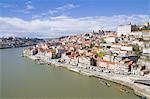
84, 7
48, 14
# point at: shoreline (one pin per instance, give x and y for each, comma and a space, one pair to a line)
139, 89
15, 47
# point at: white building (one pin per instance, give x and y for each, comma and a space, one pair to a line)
125, 29
146, 34
111, 39
84, 61
127, 48
136, 34
146, 51
65, 57
48, 54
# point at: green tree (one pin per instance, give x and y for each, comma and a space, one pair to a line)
137, 51
101, 54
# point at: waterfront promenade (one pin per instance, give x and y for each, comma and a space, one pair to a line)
145, 82
126, 80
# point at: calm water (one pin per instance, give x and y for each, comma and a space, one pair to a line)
22, 78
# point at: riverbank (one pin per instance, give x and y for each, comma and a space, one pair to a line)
16, 46
139, 89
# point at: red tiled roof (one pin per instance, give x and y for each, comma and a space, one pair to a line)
108, 62
147, 31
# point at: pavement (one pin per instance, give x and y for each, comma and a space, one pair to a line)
145, 82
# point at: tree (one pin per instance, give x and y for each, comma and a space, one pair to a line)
101, 54
137, 51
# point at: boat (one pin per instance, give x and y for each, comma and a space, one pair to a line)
41, 62
85, 73
105, 83
74, 69
49, 63
123, 90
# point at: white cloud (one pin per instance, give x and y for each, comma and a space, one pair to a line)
64, 25
36, 16
28, 2
52, 12
56, 11
67, 6
6, 5
62, 8
29, 7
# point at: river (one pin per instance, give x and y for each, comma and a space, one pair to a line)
22, 78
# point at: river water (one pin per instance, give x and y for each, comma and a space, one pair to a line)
22, 78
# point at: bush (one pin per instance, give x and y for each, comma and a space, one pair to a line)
137, 51
101, 54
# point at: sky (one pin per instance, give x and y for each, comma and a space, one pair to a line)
55, 18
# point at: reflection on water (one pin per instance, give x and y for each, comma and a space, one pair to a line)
22, 78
